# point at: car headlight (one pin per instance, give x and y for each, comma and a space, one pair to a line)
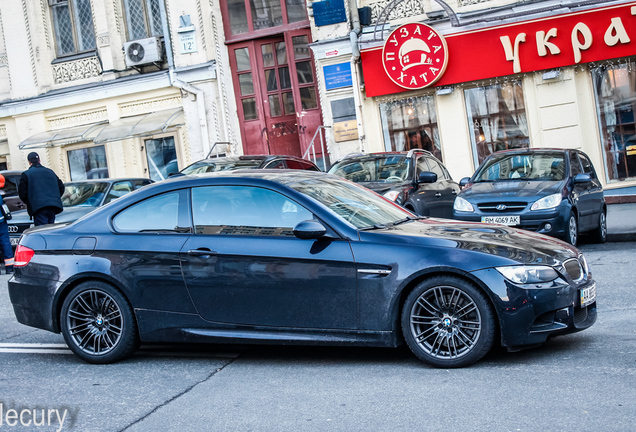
462, 205
528, 274
548, 202
392, 195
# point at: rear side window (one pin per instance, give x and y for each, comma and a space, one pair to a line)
162, 213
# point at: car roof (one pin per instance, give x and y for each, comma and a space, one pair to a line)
532, 150
250, 157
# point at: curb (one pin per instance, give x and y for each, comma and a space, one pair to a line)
621, 237
620, 199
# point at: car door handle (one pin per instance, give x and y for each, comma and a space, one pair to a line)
438, 194
454, 192
203, 252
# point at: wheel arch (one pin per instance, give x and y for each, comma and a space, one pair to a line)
64, 290
414, 281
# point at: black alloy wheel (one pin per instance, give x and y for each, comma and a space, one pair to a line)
98, 323
572, 230
600, 233
448, 323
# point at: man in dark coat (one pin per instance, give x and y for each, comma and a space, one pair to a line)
41, 190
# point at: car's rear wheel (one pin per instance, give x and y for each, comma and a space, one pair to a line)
448, 323
600, 233
572, 230
98, 323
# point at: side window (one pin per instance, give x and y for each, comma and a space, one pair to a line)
293, 164
278, 164
436, 168
118, 189
73, 26
243, 210
587, 165
308, 166
422, 166
164, 213
139, 183
575, 165
10, 186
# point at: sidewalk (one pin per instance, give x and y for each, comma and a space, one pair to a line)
621, 222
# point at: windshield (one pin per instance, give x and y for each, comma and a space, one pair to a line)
83, 194
221, 165
528, 166
355, 204
387, 169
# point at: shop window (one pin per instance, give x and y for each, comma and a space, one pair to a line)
615, 89
411, 123
73, 26
87, 163
143, 18
497, 118
161, 155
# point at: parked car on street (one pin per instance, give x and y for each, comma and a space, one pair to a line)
416, 180
293, 257
228, 163
10, 190
80, 198
550, 191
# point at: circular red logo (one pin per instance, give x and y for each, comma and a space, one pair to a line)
414, 56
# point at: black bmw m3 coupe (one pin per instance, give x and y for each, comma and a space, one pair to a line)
275, 256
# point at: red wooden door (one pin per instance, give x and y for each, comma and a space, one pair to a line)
276, 91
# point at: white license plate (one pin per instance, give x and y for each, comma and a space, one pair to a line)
14, 241
588, 295
502, 220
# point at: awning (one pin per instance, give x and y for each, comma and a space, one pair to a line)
144, 125
64, 136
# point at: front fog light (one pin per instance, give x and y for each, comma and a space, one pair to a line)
547, 227
528, 274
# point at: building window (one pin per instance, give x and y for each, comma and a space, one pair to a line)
73, 23
411, 123
497, 118
143, 18
161, 154
263, 14
88, 163
615, 89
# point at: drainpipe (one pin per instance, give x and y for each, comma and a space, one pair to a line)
355, 77
188, 88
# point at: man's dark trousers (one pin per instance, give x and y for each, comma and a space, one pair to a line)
44, 216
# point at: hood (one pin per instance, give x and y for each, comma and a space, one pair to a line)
510, 245
381, 187
69, 214
511, 189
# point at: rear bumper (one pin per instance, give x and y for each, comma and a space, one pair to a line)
32, 300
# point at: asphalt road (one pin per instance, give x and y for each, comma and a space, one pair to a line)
582, 382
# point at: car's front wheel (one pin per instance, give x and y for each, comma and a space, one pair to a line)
572, 230
448, 323
98, 323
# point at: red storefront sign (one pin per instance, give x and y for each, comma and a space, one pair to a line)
547, 43
414, 56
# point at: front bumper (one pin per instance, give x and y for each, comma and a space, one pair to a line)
529, 316
537, 220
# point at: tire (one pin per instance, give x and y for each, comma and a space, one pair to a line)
431, 322
600, 232
98, 323
572, 229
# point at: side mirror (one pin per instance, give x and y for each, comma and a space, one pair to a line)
582, 178
427, 177
309, 230
463, 182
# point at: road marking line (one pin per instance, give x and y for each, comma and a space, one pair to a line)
60, 348
35, 351
33, 345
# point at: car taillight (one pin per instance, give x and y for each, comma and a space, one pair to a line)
23, 255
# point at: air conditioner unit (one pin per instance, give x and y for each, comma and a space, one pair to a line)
143, 51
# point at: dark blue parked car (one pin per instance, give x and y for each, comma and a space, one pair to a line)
550, 191
293, 257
